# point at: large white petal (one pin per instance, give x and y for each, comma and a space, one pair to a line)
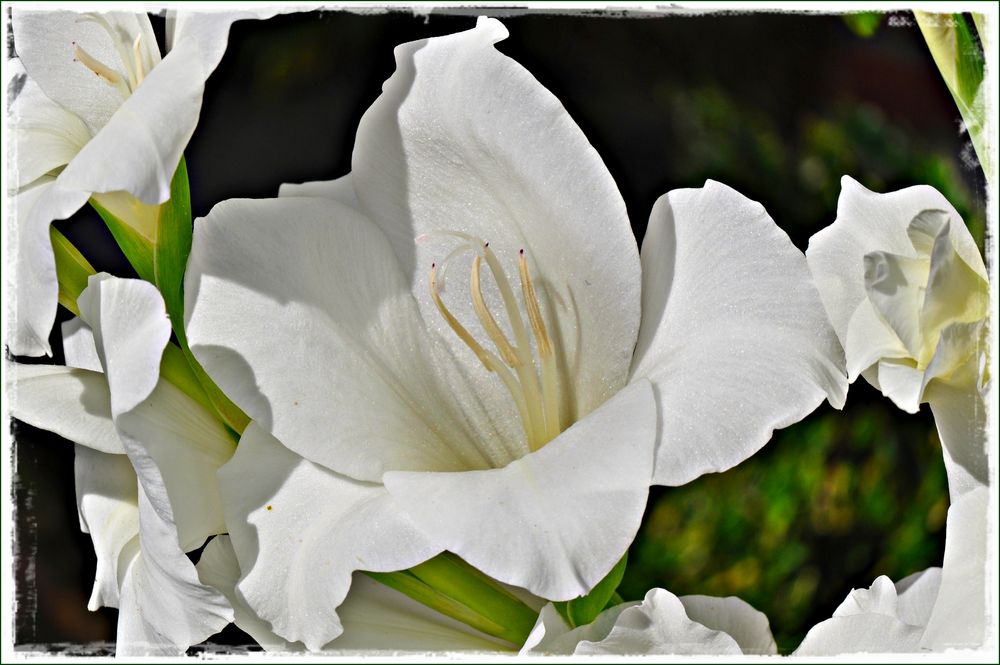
356, 383
465, 139
300, 531
164, 606
734, 337
107, 500
79, 348
868, 222
737, 618
555, 521
71, 402
45, 42
959, 617
35, 289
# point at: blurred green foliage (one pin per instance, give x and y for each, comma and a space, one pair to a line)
828, 505
842, 497
863, 24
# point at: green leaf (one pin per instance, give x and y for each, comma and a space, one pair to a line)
959, 58
136, 247
72, 270
863, 24
171, 249
583, 610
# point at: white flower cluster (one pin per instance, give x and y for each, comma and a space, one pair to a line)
379, 463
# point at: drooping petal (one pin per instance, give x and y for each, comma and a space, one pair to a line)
659, 625
903, 223
71, 402
32, 309
358, 383
555, 521
734, 338
300, 531
164, 607
79, 348
45, 42
46, 135
340, 189
916, 594
737, 618
465, 139
959, 617
107, 500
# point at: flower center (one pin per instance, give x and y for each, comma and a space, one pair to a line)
129, 54
534, 383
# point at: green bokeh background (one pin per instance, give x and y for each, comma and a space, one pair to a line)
778, 106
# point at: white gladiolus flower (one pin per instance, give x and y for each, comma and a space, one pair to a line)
146, 460
98, 113
518, 417
660, 624
908, 294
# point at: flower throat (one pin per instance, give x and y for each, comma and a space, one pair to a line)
533, 385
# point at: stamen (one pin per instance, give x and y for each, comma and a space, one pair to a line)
489, 361
110, 76
463, 334
546, 356
506, 349
140, 73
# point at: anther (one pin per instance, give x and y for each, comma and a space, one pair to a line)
506, 349
96, 66
453, 323
534, 310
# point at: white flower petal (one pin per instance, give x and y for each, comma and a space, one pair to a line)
131, 329
464, 139
219, 568
73, 403
737, 618
32, 310
960, 415
46, 136
357, 384
79, 347
901, 382
916, 594
107, 499
734, 337
164, 607
45, 42
340, 189
959, 617
553, 636
556, 521
300, 531
895, 286
869, 340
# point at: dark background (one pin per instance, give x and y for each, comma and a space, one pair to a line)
778, 106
